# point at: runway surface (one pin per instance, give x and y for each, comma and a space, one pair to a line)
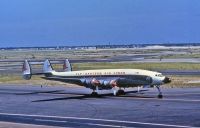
58, 106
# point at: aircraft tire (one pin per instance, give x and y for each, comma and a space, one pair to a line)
94, 94
160, 96
120, 92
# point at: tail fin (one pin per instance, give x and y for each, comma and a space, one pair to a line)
47, 68
26, 70
67, 66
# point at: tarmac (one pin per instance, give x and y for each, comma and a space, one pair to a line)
59, 106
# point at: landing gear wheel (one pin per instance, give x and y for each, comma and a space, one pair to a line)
94, 94
160, 96
120, 92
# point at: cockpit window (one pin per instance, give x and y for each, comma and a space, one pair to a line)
159, 75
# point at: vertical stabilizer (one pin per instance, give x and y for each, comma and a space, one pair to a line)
26, 70
47, 68
67, 66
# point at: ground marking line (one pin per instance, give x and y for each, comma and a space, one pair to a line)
106, 120
94, 124
28, 125
56, 121
182, 94
186, 100
104, 125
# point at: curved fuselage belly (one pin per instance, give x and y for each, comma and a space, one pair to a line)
122, 81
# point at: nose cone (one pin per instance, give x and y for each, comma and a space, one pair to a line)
167, 80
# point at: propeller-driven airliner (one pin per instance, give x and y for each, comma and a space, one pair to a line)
101, 79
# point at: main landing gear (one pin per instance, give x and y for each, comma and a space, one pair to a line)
95, 92
160, 96
120, 92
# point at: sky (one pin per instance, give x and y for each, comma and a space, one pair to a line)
93, 22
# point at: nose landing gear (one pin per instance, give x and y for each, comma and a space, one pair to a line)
160, 96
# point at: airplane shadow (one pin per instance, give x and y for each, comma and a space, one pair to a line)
39, 92
86, 96
27, 92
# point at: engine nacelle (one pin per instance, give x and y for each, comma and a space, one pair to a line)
92, 83
95, 82
105, 84
85, 81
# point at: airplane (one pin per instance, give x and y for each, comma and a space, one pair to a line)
101, 79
